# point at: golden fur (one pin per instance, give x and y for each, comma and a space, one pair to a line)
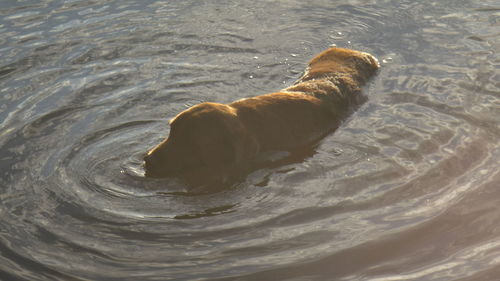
210, 140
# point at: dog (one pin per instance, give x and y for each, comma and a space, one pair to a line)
210, 140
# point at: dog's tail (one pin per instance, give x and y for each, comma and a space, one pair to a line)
335, 76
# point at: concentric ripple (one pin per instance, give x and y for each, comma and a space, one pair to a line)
406, 189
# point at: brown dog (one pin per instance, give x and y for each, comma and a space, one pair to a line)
210, 140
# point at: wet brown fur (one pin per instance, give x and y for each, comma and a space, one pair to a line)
210, 140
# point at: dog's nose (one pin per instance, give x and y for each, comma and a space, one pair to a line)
149, 161
148, 168
151, 167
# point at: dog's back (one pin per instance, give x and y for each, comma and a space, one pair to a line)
327, 92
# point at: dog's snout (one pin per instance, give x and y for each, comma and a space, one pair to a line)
148, 161
149, 166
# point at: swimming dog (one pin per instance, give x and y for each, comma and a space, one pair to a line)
210, 140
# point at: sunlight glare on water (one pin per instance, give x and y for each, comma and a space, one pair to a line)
405, 189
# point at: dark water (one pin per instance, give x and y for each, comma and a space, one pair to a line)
407, 189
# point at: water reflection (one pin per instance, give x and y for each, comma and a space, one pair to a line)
406, 189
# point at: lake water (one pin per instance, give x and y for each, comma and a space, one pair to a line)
407, 189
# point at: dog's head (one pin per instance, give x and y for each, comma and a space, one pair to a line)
205, 139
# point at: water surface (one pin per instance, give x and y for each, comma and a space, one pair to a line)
406, 189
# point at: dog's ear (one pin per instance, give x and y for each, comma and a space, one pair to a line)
244, 144
225, 141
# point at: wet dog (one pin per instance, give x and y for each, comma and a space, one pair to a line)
209, 141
